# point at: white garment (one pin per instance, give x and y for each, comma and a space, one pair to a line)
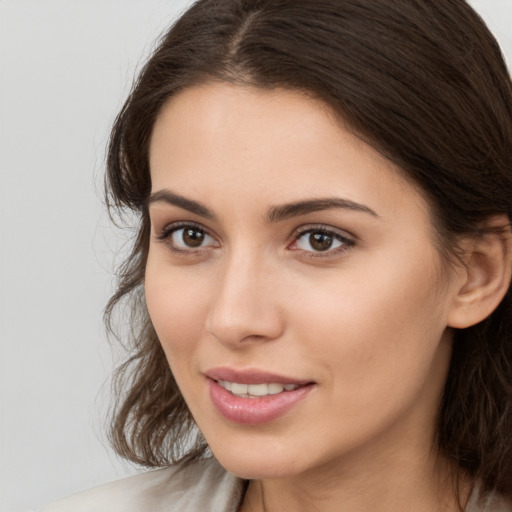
203, 486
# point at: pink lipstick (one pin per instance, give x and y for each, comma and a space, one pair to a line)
254, 397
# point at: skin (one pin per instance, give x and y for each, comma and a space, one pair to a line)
366, 321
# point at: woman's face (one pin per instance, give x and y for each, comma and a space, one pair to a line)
294, 284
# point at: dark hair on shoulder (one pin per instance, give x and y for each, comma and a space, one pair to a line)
424, 83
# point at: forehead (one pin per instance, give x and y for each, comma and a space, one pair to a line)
222, 140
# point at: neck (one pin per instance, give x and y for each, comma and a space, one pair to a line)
398, 470
390, 484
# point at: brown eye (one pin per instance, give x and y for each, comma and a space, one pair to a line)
188, 237
192, 237
320, 241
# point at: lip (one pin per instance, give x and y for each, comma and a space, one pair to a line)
251, 376
254, 411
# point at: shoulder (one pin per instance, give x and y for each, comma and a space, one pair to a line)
203, 485
487, 502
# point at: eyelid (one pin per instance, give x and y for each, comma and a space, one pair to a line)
170, 228
308, 228
348, 240
166, 233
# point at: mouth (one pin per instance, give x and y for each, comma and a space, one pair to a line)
253, 397
256, 390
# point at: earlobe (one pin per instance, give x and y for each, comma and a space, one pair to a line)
486, 277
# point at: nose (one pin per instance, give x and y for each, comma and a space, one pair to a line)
245, 307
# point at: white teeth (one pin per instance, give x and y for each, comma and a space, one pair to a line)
238, 389
225, 384
256, 390
274, 389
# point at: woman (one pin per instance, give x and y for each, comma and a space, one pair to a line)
320, 284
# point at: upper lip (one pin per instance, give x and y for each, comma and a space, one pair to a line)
251, 376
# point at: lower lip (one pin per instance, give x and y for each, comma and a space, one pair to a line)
254, 411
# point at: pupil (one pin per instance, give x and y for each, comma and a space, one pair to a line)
193, 237
320, 241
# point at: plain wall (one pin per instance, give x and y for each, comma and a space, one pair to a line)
65, 68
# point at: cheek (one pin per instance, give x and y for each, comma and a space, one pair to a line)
376, 330
176, 303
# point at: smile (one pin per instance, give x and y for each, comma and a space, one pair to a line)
254, 397
256, 390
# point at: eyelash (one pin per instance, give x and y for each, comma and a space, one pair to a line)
166, 236
346, 241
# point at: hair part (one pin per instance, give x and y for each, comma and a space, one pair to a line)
424, 83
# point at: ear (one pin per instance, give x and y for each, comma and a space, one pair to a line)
486, 276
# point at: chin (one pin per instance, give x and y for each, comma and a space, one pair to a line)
258, 470
263, 460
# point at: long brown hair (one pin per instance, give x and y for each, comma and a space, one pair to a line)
424, 83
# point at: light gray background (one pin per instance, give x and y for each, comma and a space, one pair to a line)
65, 68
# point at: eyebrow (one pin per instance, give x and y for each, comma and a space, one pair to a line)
286, 211
169, 197
274, 214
